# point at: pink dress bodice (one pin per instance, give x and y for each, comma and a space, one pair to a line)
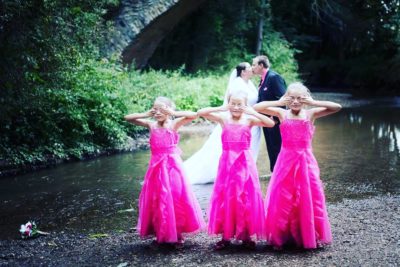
236, 137
163, 141
297, 133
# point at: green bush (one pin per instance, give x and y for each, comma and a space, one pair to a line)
189, 92
60, 99
281, 56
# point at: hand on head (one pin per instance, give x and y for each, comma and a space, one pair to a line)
166, 110
236, 107
151, 112
248, 110
159, 111
285, 100
307, 100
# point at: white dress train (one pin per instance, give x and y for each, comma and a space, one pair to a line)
201, 167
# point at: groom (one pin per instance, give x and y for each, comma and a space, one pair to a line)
272, 87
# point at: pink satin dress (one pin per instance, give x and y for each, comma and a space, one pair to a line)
236, 207
167, 206
295, 201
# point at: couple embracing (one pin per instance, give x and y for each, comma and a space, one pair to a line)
201, 167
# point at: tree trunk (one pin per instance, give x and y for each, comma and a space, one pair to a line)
260, 28
259, 35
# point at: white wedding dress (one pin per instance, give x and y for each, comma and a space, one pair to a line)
201, 167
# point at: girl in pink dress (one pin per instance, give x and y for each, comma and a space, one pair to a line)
167, 206
236, 208
295, 202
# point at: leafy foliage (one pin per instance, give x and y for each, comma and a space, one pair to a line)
189, 92
219, 36
57, 99
282, 56
61, 99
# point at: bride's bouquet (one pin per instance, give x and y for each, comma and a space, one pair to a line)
29, 230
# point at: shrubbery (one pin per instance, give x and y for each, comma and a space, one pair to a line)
61, 99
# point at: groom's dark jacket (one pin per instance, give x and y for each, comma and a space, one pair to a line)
272, 88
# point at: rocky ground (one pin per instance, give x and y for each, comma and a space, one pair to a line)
366, 233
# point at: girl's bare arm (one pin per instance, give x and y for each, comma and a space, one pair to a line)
183, 117
322, 108
272, 108
213, 113
139, 118
258, 119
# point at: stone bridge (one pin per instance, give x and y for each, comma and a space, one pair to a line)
142, 24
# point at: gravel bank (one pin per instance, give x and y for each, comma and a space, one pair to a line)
366, 233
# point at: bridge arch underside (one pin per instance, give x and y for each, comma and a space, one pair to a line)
143, 46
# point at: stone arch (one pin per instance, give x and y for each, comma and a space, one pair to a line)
142, 24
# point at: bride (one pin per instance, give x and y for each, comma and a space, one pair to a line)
201, 167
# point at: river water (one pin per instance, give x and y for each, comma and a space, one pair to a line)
358, 151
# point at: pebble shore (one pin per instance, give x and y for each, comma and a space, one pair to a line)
366, 233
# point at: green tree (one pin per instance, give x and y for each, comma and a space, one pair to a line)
222, 34
344, 43
55, 98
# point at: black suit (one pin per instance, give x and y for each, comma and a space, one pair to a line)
272, 88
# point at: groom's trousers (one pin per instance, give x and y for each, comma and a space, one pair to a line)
273, 141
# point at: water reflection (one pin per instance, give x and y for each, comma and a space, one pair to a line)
390, 132
357, 151
364, 159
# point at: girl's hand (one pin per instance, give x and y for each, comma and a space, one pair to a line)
167, 111
285, 100
249, 110
151, 112
307, 100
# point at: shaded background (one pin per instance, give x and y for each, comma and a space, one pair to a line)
70, 70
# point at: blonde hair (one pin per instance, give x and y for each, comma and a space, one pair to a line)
239, 94
298, 87
166, 101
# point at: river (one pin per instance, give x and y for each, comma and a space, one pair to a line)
357, 149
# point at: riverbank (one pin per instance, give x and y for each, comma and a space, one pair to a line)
7, 169
140, 140
365, 234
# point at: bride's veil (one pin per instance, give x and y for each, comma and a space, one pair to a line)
202, 166
232, 77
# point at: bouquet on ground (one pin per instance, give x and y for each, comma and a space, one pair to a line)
29, 230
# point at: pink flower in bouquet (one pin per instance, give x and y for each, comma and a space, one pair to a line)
28, 230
